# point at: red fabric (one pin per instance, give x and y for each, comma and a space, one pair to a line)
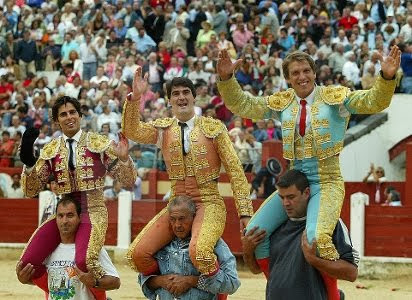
347, 22
42, 282
98, 294
302, 120
264, 266
331, 285
221, 296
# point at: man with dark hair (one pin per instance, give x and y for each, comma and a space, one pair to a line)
314, 120
178, 277
193, 148
61, 267
79, 161
294, 269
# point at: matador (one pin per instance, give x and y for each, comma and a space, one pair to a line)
194, 148
79, 161
314, 121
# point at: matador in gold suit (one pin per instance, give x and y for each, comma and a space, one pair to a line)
193, 153
79, 169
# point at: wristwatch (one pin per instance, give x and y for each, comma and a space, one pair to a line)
96, 283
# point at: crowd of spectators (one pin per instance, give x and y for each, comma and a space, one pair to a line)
95, 46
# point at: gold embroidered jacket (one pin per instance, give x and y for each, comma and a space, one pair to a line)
329, 113
95, 156
210, 146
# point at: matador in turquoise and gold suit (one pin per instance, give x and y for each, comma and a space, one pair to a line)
316, 153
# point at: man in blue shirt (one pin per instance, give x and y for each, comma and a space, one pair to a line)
178, 277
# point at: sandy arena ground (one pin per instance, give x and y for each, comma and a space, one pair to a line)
397, 285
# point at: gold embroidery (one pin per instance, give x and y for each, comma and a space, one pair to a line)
280, 100
212, 228
201, 164
211, 128
288, 124
320, 123
333, 95
198, 149
163, 122
98, 218
51, 149
96, 143
332, 193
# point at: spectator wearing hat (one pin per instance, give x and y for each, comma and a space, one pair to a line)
264, 183
203, 36
26, 54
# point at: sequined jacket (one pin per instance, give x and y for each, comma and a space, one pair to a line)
174, 259
95, 156
329, 113
210, 146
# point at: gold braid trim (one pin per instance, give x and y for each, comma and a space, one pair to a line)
97, 143
134, 244
280, 100
211, 128
234, 170
133, 128
98, 218
333, 95
213, 225
51, 149
33, 183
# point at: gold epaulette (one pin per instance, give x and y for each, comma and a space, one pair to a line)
280, 100
162, 122
333, 95
210, 127
51, 149
97, 143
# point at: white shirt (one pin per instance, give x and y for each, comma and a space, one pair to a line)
76, 139
61, 276
187, 130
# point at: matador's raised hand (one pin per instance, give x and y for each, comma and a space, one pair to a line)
140, 85
390, 64
224, 66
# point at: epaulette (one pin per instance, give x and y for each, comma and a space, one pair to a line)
280, 100
96, 142
333, 95
162, 122
51, 149
210, 127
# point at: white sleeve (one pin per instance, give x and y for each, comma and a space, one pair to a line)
107, 264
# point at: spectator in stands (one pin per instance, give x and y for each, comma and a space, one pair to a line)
406, 64
68, 45
241, 36
369, 78
100, 77
204, 34
377, 176
15, 126
155, 70
144, 42
351, 70
112, 194
144, 160
393, 198
406, 30
198, 75
6, 150
14, 190
26, 54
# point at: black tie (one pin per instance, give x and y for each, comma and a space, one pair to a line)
182, 130
71, 164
